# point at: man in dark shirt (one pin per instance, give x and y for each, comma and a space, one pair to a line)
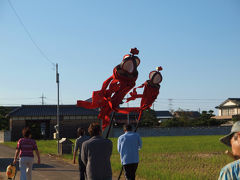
96, 153
78, 146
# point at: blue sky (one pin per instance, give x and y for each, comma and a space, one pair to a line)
196, 42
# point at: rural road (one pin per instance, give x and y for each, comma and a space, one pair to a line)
50, 168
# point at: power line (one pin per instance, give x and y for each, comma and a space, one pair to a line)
17, 98
15, 104
189, 99
29, 35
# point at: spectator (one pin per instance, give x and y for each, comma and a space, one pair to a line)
25, 148
96, 153
128, 146
78, 146
231, 171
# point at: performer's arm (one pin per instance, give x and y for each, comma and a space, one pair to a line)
106, 83
134, 95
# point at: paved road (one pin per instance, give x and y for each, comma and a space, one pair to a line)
51, 168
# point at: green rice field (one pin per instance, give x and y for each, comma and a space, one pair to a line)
167, 158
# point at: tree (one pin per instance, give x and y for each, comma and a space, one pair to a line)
183, 120
4, 122
175, 122
207, 120
148, 118
236, 118
211, 112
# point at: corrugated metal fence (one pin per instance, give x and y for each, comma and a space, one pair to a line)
180, 131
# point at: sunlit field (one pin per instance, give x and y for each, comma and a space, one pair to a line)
167, 158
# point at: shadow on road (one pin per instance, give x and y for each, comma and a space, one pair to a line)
4, 162
35, 166
61, 170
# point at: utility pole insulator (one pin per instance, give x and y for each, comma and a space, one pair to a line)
57, 78
57, 74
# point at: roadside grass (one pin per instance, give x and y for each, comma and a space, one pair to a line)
167, 157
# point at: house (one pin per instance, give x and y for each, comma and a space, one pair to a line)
228, 109
42, 119
189, 114
163, 115
121, 119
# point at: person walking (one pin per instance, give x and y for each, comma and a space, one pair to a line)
24, 150
96, 153
78, 146
128, 146
232, 171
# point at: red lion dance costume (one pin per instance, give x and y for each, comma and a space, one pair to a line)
150, 93
114, 88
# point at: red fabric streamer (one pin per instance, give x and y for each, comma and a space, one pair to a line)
112, 93
149, 95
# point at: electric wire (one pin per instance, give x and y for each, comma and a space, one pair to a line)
31, 37
29, 34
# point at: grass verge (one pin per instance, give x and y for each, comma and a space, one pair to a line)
172, 158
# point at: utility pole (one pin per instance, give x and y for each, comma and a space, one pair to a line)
128, 121
170, 105
42, 97
57, 128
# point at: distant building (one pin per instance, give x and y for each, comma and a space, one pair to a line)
189, 114
228, 109
133, 117
163, 115
42, 119
121, 119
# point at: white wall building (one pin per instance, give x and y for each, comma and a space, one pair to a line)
228, 109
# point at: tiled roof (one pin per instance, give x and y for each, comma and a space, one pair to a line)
191, 114
163, 113
235, 100
11, 108
50, 110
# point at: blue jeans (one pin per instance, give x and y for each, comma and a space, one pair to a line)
25, 165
